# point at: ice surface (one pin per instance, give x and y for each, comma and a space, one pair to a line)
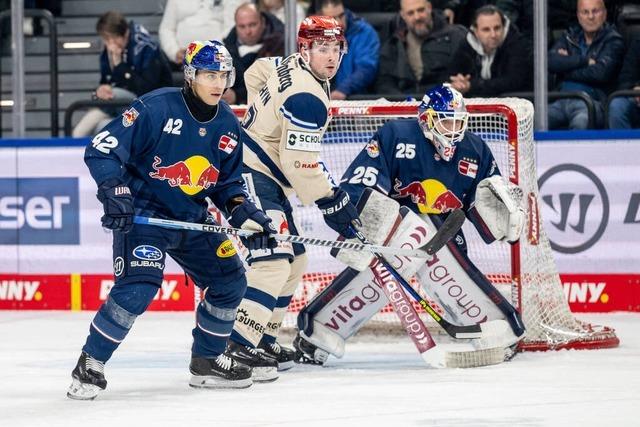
376, 383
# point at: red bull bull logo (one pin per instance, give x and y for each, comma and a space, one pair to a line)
129, 116
191, 175
431, 196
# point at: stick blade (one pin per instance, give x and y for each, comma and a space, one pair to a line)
449, 228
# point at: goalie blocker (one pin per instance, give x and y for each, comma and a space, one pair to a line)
451, 283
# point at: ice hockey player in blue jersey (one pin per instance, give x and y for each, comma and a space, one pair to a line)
432, 165
169, 152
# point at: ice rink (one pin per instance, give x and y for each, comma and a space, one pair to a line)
376, 383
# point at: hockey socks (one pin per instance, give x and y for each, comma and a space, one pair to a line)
115, 318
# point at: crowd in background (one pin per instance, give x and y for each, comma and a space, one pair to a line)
483, 48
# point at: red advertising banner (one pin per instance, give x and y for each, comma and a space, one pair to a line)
586, 293
173, 295
600, 293
35, 292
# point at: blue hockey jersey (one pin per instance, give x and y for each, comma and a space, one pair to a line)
401, 163
169, 160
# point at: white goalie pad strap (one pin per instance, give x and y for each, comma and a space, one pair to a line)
498, 205
378, 214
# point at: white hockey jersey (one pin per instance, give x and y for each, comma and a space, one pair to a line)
284, 125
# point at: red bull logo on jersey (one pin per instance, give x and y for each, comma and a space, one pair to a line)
191, 175
129, 116
431, 196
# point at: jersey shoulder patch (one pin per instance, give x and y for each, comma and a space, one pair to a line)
305, 111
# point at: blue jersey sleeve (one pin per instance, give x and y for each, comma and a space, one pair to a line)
305, 111
230, 182
372, 166
123, 138
487, 167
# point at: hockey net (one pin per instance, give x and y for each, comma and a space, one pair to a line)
525, 272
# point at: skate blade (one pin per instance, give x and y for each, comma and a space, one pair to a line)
212, 382
264, 375
81, 391
285, 366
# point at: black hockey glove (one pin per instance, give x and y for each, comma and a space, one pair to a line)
339, 213
248, 217
117, 202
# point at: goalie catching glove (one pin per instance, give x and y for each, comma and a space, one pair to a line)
497, 206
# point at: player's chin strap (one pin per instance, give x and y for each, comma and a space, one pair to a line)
289, 238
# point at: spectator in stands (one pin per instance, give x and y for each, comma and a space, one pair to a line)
494, 59
131, 64
186, 20
419, 51
586, 58
276, 8
359, 65
624, 113
255, 35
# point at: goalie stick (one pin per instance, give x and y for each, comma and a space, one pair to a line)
449, 228
290, 238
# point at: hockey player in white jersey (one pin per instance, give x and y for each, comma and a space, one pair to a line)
283, 129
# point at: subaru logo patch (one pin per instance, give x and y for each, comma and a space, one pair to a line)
147, 252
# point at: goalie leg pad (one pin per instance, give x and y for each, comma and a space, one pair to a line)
466, 296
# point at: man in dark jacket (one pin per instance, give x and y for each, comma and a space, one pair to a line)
131, 64
255, 35
586, 58
418, 53
359, 65
624, 113
494, 59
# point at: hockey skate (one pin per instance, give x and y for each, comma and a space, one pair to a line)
265, 368
283, 355
307, 353
218, 373
88, 378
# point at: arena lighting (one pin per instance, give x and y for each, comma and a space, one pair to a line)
76, 45
6, 103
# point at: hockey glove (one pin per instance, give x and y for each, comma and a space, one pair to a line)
339, 213
248, 217
117, 202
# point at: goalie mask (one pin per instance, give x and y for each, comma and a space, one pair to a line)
315, 34
443, 117
209, 55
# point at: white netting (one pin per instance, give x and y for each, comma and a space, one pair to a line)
525, 272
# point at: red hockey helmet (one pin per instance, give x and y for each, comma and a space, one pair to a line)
320, 29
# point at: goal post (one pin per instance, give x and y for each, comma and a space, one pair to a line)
525, 272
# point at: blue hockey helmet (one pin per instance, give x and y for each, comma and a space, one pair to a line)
209, 55
443, 117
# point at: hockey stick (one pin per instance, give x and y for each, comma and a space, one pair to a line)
445, 233
289, 238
